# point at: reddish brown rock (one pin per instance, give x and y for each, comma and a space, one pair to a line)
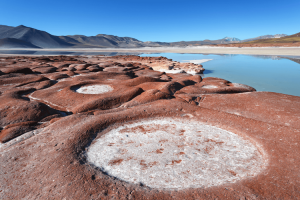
43, 150
95, 68
57, 76
60, 95
44, 69
156, 63
50, 117
79, 67
13, 69
61, 159
147, 97
216, 85
15, 109
114, 69
14, 80
274, 108
149, 73
14, 130
61, 65
45, 84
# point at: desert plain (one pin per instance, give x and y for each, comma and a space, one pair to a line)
125, 127
253, 50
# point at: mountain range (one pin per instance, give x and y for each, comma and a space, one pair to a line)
33, 36
290, 39
265, 37
26, 37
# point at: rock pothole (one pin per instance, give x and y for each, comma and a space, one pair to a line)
167, 153
94, 89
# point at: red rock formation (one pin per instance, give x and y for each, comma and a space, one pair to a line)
53, 111
157, 63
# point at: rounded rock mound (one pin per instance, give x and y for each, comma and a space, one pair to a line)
175, 154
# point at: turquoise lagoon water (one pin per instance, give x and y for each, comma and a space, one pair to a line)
264, 73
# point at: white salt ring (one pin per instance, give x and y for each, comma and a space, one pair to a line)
94, 89
175, 154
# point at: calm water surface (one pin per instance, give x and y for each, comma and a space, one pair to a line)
264, 73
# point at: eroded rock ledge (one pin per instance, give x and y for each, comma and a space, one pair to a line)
113, 128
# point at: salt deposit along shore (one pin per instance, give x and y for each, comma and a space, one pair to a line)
288, 51
120, 127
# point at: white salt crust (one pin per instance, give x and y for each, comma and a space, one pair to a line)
198, 61
94, 89
175, 154
176, 71
240, 85
209, 86
172, 71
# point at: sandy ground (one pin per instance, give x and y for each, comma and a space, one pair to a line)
288, 51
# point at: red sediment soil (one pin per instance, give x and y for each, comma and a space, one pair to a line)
296, 44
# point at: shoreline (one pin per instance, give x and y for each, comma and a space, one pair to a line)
280, 51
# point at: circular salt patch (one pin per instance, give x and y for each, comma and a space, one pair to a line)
175, 154
209, 86
94, 89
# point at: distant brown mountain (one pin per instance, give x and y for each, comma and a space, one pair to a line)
264, 37
287, 39
102, 40
35, 37
295, 35
26, 37
43, 39
15, 43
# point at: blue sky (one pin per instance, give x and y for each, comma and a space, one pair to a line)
156, 20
